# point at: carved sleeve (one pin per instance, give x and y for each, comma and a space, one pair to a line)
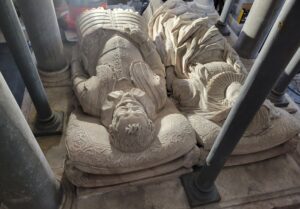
149, 52
91, 92
145, 79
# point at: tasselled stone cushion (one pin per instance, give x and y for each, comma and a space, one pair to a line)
90, 151
182, 164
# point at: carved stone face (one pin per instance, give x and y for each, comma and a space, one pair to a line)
131, 129
128, 107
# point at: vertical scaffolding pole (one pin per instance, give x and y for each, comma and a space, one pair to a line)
277, 94
47, 121
221, 24
257, 27
26, 179
43, 31
284, 37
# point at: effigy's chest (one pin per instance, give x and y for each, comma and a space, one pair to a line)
119, 53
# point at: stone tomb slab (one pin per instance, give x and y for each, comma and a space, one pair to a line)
268, 184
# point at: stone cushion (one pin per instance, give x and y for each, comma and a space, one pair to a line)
282, 129
83, 179
281, 149
89, 148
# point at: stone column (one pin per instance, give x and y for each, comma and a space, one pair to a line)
221, 24
257, 27
277, 94
43, 31
284, 37
26, 179
47, 121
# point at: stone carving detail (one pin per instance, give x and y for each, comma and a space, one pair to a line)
119, 86
205, 77
127, 129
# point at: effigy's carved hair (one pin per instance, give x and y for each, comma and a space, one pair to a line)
131, 129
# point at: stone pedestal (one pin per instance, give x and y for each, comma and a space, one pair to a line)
47, 121
43, 31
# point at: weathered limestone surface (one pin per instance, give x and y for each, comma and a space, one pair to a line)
205, 76
268, 184
124, 130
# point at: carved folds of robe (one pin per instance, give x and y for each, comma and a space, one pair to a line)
205, 76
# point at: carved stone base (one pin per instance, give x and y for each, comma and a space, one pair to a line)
89, 192
56, 79
83, 179
268, 184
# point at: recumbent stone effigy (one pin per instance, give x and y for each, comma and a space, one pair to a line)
125, 129
205, 77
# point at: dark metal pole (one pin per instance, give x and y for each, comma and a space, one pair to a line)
284, 37
26, 179
43, 31
48, 122
257, 27
221, 24
277, 93
58, 3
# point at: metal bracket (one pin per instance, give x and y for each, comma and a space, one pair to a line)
53, 126
278, 100
194, 195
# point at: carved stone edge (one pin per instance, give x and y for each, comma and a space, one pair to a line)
60, 78
69, 194
260, 197
83, 193
289, 146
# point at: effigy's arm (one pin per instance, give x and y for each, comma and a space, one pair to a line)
151, 83
149, 52
149, 75
90, 91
